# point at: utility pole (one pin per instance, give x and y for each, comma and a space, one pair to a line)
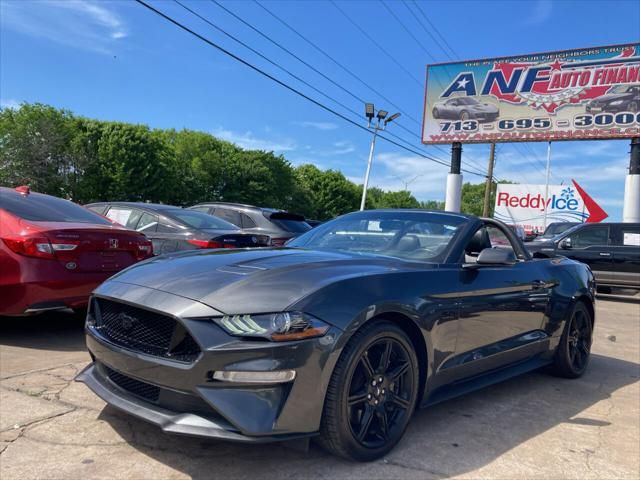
489, 184
546, 187
631, 209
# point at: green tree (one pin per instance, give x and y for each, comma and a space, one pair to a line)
473, 197
432, 205
399, 199
329, 192
34, 148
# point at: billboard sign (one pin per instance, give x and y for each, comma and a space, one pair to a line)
525, 205
589, 93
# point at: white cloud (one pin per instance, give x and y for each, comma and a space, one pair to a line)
249, 141
425, 179
540, 12
9, 103
85, 24
318, 125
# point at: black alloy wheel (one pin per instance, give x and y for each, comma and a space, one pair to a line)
372, 393
574, 351
464, 116
380, 392
579, 340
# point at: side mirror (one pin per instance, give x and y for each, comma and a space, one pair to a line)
565, 244
493, 257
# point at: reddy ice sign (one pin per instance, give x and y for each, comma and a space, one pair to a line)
526, 204
574, 94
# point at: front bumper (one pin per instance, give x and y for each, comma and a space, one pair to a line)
187, 400
185, 423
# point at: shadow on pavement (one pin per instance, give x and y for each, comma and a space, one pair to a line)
50, 331
451, 438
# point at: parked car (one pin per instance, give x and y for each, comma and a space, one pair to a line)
53, 253
622, 99
465, 108
342, 335
173, 228
554, 229
314, 223
519, 231
612, 251
278, 224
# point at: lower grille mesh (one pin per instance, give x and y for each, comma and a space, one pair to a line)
136, 387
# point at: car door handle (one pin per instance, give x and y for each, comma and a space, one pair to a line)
538, 284
605, 254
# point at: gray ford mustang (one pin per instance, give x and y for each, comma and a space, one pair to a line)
343, 333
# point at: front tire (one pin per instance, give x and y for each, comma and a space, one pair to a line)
372, 393
574, 351
464, 115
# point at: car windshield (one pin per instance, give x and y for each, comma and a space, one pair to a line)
556, 229
44, 208
417, 236
196, 219
467, 101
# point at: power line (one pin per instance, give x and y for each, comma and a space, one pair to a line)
288, 51
380, 47
276, 80
264, 57
435, 40
435, 29
285, 49
404, 27
316, 47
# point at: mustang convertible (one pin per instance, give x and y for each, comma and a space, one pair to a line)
342, 333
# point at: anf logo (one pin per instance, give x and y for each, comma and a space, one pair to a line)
113, 243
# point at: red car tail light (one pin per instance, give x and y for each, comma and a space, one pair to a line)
144, 250
205, 243
278, 242
39, 247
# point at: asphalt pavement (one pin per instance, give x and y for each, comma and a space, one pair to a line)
534, 426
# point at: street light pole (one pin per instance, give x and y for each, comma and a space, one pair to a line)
380, 124
366, 177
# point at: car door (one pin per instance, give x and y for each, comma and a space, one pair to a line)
591, 244
626, 255
502, 307
148, 224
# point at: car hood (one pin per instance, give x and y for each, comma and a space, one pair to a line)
611, 97
251, 281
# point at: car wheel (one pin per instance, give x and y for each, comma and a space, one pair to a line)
372, 393
464, 116
436, 113
572, 355
633, 107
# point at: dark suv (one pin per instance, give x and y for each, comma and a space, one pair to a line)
612, 250
278, 224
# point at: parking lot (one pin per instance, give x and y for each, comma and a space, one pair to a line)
535, 426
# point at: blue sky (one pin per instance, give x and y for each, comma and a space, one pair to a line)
115, 60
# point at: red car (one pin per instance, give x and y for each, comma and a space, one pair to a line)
53, 253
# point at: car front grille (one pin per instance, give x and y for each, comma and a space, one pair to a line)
136, 387
143, 331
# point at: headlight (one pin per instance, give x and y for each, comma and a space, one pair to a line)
617, 102
278, 327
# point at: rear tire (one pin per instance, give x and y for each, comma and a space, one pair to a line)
573, 352
372, 393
